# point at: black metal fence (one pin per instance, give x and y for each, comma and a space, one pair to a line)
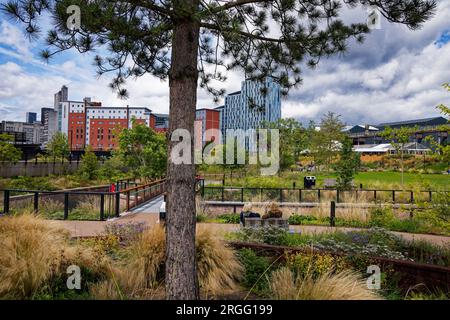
81, 205
296, 195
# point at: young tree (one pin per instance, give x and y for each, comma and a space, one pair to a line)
89, 164
113, 169
442, 107
398, 138
177, 40
292, 140
443, 150
143, 151
8, 152
325, 142
348, 164
58, 146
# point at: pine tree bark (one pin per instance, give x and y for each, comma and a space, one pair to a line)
181, 267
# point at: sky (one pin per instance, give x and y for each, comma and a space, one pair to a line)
396, 74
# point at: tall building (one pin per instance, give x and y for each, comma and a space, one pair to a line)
255, 103
31, 117
32, 131
61, 96
49, 117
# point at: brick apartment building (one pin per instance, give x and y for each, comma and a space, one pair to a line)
89, 123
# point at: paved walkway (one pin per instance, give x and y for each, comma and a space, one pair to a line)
149, 214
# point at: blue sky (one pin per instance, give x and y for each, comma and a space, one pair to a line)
397, 74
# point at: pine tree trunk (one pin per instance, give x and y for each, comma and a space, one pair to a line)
181, 271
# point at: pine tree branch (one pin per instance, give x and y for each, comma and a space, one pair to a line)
234, 4
243, 33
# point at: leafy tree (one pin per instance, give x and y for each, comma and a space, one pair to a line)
442, 150
113, 168
325, 142
178, 40
348, 164
292, 140
398, 138
89, 164
58, 146
143, 151
8, 152
443, 108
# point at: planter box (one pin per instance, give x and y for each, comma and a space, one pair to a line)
261, 223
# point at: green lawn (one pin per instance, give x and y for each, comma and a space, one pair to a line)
440, 181
377, 180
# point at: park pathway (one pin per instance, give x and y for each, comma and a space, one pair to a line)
148, 213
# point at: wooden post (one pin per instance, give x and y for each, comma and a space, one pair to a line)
431, 196
242, 194
393, 196
299, 195
6, 201
102, 207
337, 196
318, 194
375, 195
66, 206
117, 204
412, 197
333, 214
36, 202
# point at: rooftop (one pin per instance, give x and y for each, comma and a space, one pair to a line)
410, 122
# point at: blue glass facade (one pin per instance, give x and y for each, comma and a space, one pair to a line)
255, 103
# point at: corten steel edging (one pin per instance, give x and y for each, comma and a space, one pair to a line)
416, 273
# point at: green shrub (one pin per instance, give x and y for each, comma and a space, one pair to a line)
256, 270
315, 264
229, 218
201, 217
296, 219
381, 217
270, 235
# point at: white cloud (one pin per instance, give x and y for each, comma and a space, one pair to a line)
396, 74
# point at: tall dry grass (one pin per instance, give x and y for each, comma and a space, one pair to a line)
33, 251
346, 285
141, 276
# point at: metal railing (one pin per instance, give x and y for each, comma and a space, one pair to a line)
80, 205
301, 195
